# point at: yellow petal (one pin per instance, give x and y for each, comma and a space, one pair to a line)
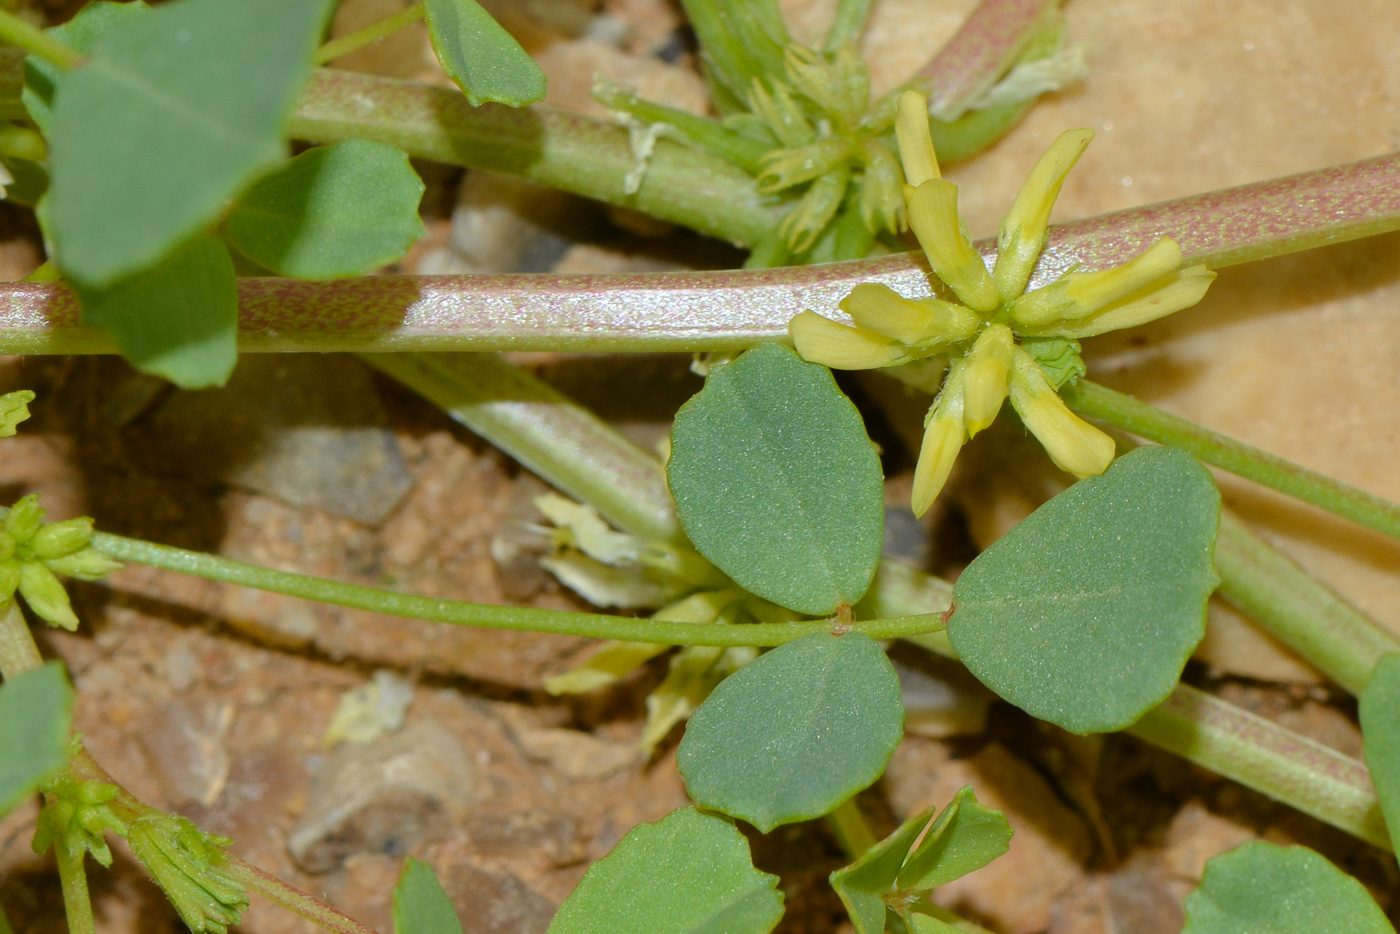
876, 307
1072, 443
944, 436
1166, 296
988, 369
915, 140
1080, 294
933, 216
1022, 234
830, 343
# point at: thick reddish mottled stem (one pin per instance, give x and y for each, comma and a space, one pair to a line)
987, 44
717, 310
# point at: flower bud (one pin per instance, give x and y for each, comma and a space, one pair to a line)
881, 198
780, 113
1078, 295
1072, 443
45, 595
915, 139
944, 436
830, 343
807, 219
24, 519
783, 168
60, 539
86, 565
988, 368
1022, 234
933, 216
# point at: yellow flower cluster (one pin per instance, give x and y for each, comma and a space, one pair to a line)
982, 333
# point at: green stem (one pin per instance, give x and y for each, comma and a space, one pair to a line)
851, 829
368, 35
72, 876
291, 898
1095, 401
560, 441
990, 40
1298, 610
18, 653
17, 32
5, 923
487, 616
1284, 765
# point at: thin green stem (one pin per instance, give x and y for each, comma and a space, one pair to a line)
5, 923
1284, 765
851, 829
488, 616
563, 443
1297, 609
72, 876
1095, 401
368, 35
34, 40
989, 42
18, 653
292, 898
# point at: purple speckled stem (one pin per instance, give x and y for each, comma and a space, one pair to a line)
1284, 765
720, 310
986, 45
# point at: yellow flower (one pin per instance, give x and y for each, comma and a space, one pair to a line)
982, 333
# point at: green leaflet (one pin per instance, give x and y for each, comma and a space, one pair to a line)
688, 873
1380, 730
36, 710
177, 109
485, 60
791, 735
1262, 888
420, 904
179, 319
80, 33
338, 210
776, 482
1085, 613
965, 837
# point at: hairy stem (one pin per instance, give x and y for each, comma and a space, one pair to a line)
368, 35
293, 899
18, 653
1297, 609
34, 40
1299, 482
984, 47
72, 876
715, 310
488, 616
1284, 765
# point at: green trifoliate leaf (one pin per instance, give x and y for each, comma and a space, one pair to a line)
1380, 729
485, 60
14, 408
792, 735
45, 595
178, 319
176, 110
36, 711
420, 904
863, 884
41, 77
338, 210
1262, 888
776, 482
689, 873
966, 837
1088, 622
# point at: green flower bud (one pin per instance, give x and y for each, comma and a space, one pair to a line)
45, 595
187, 864
783, 168
807, 219
24, 519
60, 539
9, 579
87, 565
